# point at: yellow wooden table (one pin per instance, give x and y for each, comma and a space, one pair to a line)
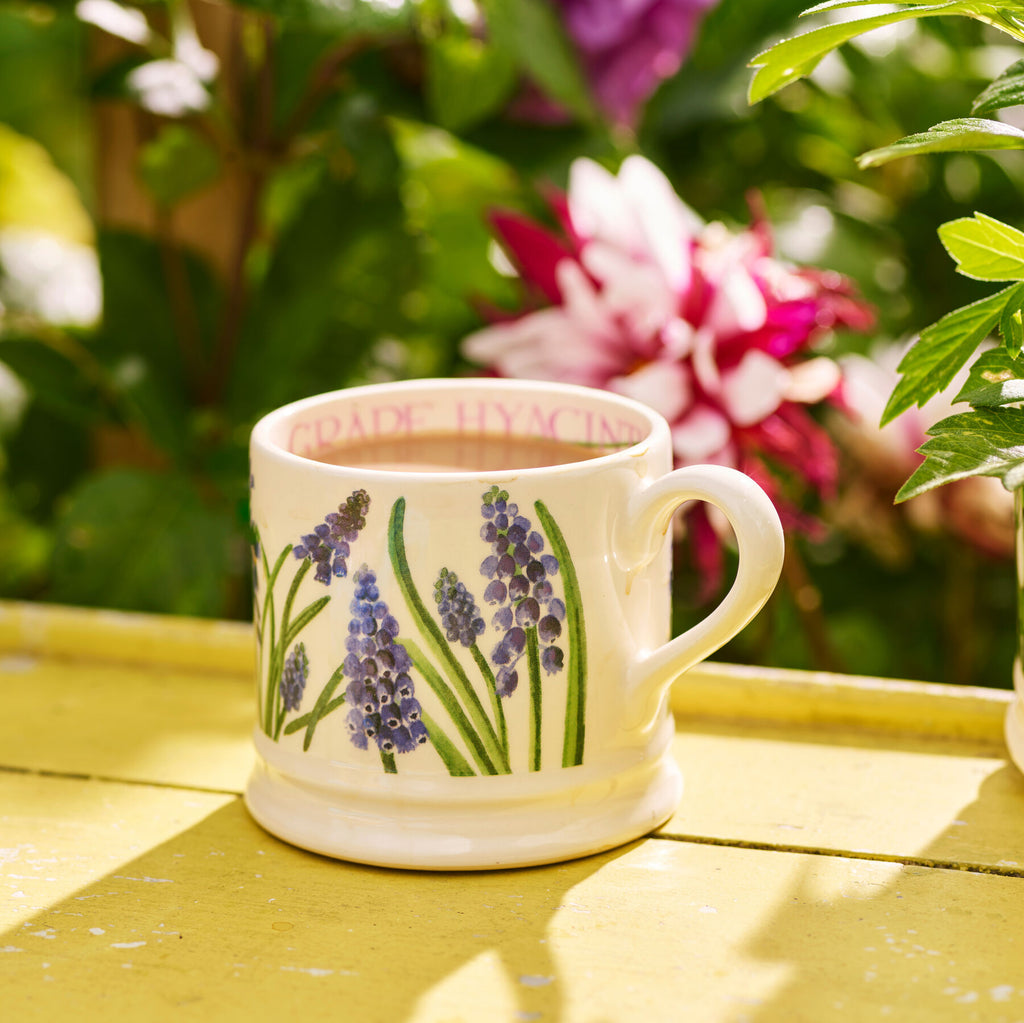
846, 849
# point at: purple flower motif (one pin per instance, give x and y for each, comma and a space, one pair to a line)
520, 588
293, 677
460, 617
381, 692
327, 547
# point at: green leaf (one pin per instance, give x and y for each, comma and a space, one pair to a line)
532, 33
791, 59
144, 542
959, 135
942, 351
984, 248
467, 80
1011, 326
995, 379
1006, 91
55, 382
343, 18
983, 442
177, 162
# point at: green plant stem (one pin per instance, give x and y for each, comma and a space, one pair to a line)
436, 642
278, 650
443, 692
576, 670
492, 691
388, 762
453, 760
536, 698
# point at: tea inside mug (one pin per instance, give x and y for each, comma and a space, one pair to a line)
457, 452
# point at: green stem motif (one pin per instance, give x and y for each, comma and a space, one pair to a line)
576, 678
443, 692
456, 763
273, 709
536, 698
492, 692
388, 762
324, 705
495, 758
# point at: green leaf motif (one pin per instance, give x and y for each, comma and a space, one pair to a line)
943, 350
983, 442
1006, 91
962, 134
795, 58
984, 248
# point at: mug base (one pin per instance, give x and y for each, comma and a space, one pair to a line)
475, 831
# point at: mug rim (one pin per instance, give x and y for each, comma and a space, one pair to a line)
657, 426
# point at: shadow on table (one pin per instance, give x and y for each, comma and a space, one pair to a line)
909, 942
226, 921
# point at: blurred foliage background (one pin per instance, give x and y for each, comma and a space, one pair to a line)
187, 243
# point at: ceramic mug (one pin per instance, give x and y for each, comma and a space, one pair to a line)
469, 668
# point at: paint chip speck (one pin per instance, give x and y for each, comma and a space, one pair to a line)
534, 980
1001, 992
128, 944
97, 930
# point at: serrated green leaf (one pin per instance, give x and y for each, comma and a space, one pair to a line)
984, 248
1006, 91
990, 369
963, 134
1011, 325
1006, 392
791, 59
983, 442
942, 351
467, 79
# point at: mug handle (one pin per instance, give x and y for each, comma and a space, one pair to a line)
639, 535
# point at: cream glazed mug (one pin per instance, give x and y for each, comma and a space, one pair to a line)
469, 669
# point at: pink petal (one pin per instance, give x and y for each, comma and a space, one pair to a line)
754, 389
664, 386
536, 252
812, 381
667, 224
703, 432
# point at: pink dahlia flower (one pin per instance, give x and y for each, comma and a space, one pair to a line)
638, 296
628, 47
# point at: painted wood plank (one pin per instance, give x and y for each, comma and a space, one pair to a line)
241, 926
947, 802
150, 723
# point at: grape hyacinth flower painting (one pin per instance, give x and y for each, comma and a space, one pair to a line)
381, 691
528, 615
293, 677
470, 669
328, 546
